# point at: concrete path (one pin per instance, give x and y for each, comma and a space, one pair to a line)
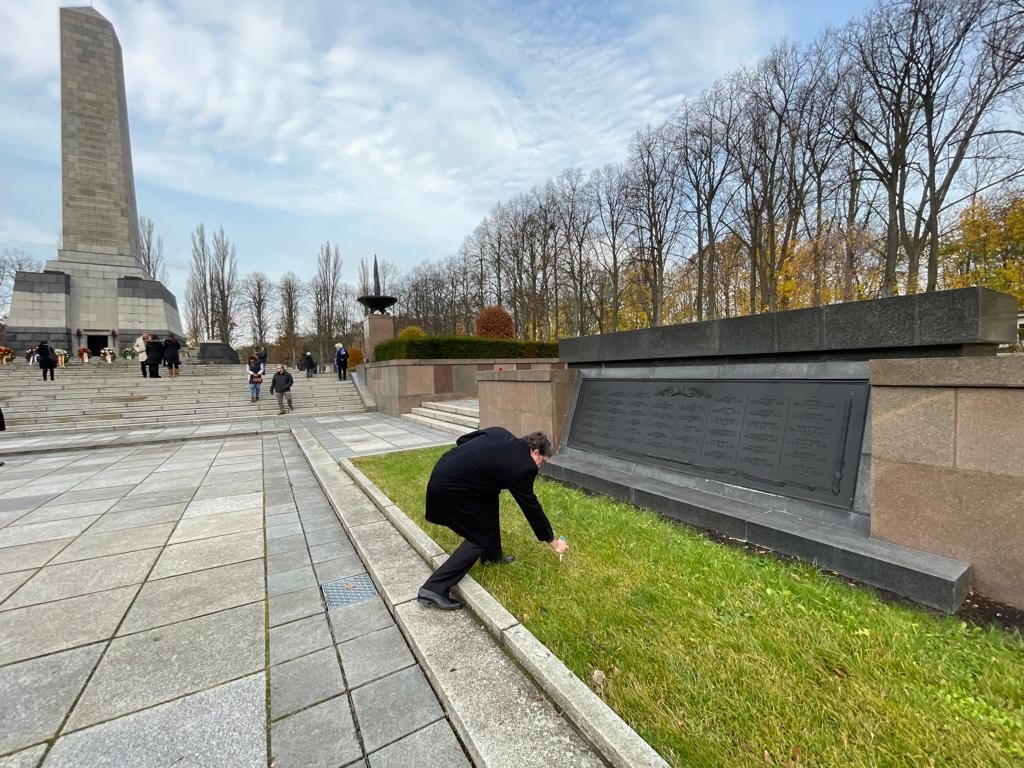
193, 598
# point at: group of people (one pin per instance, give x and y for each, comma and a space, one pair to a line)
152, 353
280, 383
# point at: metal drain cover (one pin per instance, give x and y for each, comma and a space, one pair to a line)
353, 589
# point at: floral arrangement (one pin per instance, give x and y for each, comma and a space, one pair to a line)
108, 355
83, 352
62, 356
6, 355
128, 353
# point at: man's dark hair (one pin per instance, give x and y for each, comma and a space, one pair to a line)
538, 441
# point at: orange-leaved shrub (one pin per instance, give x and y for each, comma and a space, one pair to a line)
495, 323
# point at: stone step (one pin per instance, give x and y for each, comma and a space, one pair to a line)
460, 407
213, 417
441, 426
936, 581
471, 422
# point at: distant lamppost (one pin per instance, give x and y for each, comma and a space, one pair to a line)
78, 335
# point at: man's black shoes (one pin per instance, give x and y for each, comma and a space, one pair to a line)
445, 603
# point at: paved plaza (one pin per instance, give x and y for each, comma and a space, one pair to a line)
191, 597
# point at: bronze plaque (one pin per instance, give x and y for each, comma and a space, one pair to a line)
795, 438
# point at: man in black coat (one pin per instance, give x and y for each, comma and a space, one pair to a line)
281, 385
154, 356
462, 494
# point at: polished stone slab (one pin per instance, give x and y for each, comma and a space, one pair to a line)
289, 641
10, 582
394, 706
216, 525
48, 627
13, 535
323, 736
50, 512
55, 582
118, 520
332, 570
149, 668
304, 681
357, 619
223, 726
39, 693
290, 581
177, 598
90, 545
25, 556
433, 745
295, 605
374, 655
27, 758
208, 553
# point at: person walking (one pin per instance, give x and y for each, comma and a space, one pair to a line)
139, 347
172, 356
341, 360
261, 355
462, 494
255, 374
47, 359
309, 364
281, 387
154, 356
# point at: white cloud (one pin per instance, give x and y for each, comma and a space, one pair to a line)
417, 116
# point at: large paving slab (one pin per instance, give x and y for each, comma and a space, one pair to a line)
223, 726
151, 667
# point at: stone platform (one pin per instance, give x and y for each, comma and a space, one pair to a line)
249, 591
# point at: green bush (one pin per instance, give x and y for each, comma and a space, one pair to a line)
461, 347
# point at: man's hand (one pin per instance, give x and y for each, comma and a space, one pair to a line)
560, 546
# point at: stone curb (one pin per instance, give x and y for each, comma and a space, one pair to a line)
608, 733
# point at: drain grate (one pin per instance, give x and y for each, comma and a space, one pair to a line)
353, 589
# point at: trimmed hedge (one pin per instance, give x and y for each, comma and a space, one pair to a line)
461, 347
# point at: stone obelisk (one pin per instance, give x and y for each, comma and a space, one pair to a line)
96, 285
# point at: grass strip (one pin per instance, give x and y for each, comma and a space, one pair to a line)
720, 657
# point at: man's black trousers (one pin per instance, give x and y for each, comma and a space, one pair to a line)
457, 565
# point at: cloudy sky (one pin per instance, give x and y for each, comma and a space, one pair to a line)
389, 127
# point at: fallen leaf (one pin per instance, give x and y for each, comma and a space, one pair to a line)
863, 631
794, 577
535, 695
598, 677
768, 758
350, 585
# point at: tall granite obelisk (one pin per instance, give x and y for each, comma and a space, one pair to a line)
96, 286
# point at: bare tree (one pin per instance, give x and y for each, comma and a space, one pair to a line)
654, 204
326, 294
225, 297
13, 261
289, 291
199, 298
610, 189
259, 294
151, 252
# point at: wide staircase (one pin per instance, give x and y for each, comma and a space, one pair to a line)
456, 417
101, 397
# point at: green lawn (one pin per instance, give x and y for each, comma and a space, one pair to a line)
718, 657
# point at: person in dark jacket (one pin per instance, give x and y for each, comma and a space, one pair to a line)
172, 356
254, 373
47, 359
462, 494
154, 356
341, 360
281, 386
309, 364
261, 356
